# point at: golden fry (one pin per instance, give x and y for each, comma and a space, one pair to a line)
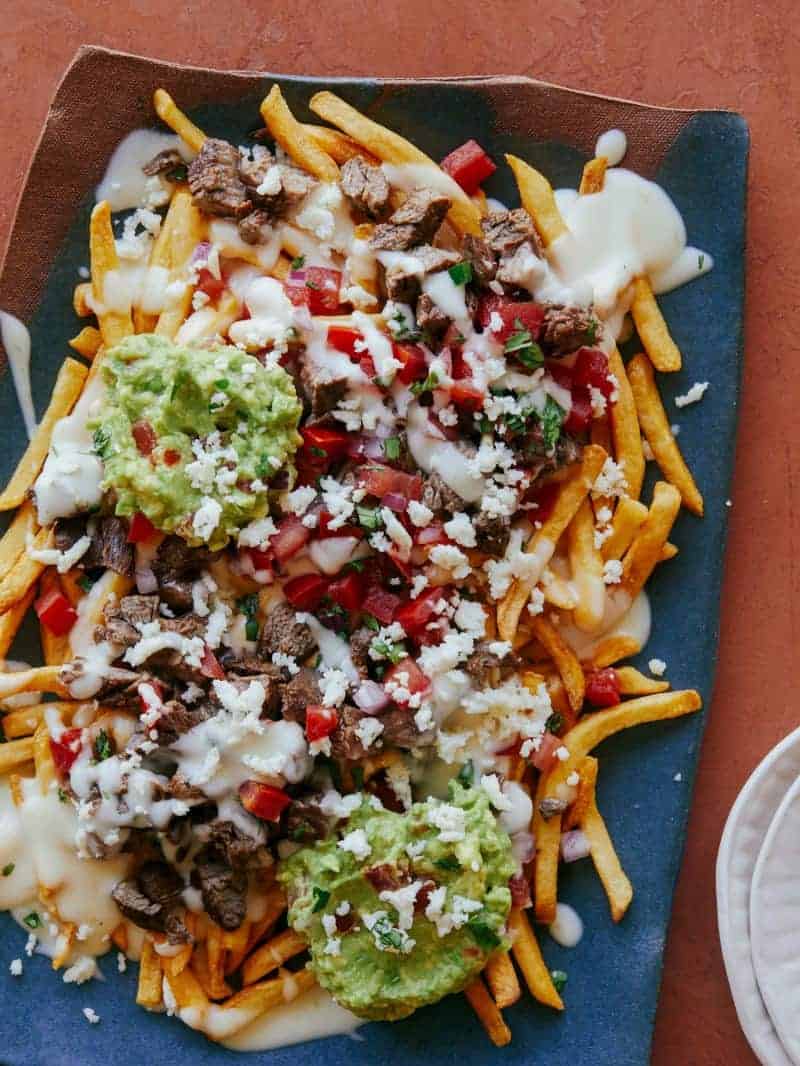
502, 980
82, 299
267, 994
565, 659
390, 147
15, 753
612, 649
293, 138
214, 987
609, 869
652, 329
169, 112
628, 517
625, 428
23, 721
536, 194
115, 325
586, 564
645, 552
173, 965
87, 343
46, 772
338, 145
525, 948
183, 229
13, 542
16, 583
272, 955
655, 426
37, 679
66, 391
558, 591
634, 683
11, 620
488, 1013
669, 551
188, 991
594, 176
575, 813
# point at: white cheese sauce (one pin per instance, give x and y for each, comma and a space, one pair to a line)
17, 345
612, 145
124, 185
312, 1015
567, 929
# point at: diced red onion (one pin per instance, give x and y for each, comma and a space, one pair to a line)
297, 275
429, 534
575, 845
373, 448
200, 253
371, 697
395, 501
146, 582
523, 847
331, 554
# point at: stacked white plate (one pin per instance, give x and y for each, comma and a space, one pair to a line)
758, 905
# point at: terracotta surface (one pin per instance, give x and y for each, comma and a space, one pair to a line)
740, 54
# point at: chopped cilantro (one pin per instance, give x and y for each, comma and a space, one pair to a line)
369, 518
430, 383
393, 652
102, 442
391, 447
251, 629
311, 285
264, 467
449, 862
319, 452
371, 622
8, 869
551, 420
483, 934
103, 746
223, 384
248, 604
559, 979
461, 273
466, 775
555, 722
62, 796
391, 939
320, 897
298, 262
522, 345
354, 564
591, 331
358, 777
177, 173
402, 331
32, 920
85, 582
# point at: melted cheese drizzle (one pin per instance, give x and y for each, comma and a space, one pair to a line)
17, 344
124, 184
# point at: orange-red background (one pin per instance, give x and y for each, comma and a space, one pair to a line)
739, 54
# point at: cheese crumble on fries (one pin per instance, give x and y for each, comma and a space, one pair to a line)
374, 524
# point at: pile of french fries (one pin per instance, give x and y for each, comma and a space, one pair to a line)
637, 535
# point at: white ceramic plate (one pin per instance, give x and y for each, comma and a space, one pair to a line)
745, 831
775, 921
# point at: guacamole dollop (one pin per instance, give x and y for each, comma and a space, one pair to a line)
400, 910
190, 437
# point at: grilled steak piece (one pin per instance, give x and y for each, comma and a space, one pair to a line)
284, 633
404, 278
305, 822
214, 180
360, 642
164, 162
365, 186
566, 328
415, 222
224, 892
480, 257
439, 497
505, 231
255, 228
299, 692
151, 900
236, 848
492, 532
322, 391
345, 741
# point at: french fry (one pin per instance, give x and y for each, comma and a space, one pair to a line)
272, 955
612, 649
215, 956
64, 942
565, 659
558, 591
634, 683
594, 176
542, 544
615, 881
15, 788
275, 905
645, 551
587, 570
480, 200
214, 987
183, 229
172, 965
655, 426
267, 994
87, 343
148, 993
82, 299
11, 620
526, 952
536, 194
338, 145
391, 148
119, 938
188, 991
575, 813
488, 1013
236, 946
293, 138
114, 325
15, 753
70, 586
282, 268
652, 329
66, 391
23, 721
502, 980
625, 428
46, 772
628, 517
24, 573
669, 551
590, 731
37, 679
169, 112
13, 542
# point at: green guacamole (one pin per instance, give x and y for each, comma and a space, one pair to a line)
383, 961
192, 436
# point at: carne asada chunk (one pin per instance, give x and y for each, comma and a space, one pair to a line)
480, 257
177, 593
114, 680
549, 807
236, 848
403, 280
109, 548
505, 231
164, 162
214, 180
285, 633
224, 892
431, 317
400, 730
175, 558
176, 719
492, 532
255, 228
365, 186
345, 741
415, 222
439, 497
360, 642
567, 328
484, 666
152, 901
322, 391
298, 693
121, 619
305, 822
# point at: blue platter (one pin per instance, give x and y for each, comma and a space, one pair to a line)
700, 158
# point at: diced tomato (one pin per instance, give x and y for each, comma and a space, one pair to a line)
412, 357
402, 564
263, 801
147, 703
289, 539
322, 446
55, 612
527, 313
561, 374
466, 396
544, 496
343, 339
545, 758
144, 437
580, 412
140, 529
306, 591
378, 480
591, 368
320, 721
66, 749
348, 591
316, 287
431, 534
468, 165
261, 558
415, 615
460, 368
211, 286
520, 889
602, 687
171, 457
381, 604
209, 665
415, 682
324, 531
